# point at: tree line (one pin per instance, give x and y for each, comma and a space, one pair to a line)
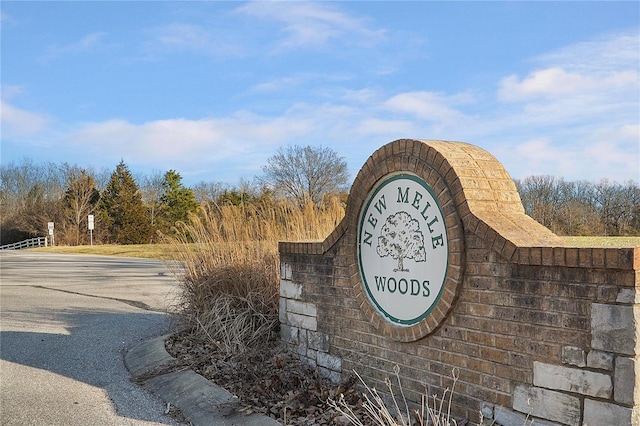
582, 207
130, 210
124, 211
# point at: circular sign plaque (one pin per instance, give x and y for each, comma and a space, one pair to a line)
402, 248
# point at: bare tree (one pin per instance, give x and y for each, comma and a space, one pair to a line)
582, 208
80, 200
305, 174
208, 192
617, 204
29, 197
151, 191
541, 198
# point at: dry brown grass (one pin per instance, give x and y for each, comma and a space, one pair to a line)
230, 268
393, 410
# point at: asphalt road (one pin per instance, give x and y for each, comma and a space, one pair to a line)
65, 323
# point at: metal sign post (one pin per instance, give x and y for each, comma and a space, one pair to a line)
90, 224
50, 226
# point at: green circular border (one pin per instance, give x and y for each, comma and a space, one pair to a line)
379, 186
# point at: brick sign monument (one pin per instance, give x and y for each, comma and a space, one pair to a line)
436, 267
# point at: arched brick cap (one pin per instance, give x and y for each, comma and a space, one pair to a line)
484, 195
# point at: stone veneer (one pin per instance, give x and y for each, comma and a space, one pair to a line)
533, 328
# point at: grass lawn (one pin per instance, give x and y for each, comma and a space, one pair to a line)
602, 241
161, 251
150, 251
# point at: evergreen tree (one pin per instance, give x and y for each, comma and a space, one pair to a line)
122, 209
177, 201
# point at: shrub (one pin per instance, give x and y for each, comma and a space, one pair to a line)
227, 263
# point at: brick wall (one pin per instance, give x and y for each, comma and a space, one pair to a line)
531, 327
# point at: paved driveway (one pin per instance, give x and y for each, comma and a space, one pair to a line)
65, 323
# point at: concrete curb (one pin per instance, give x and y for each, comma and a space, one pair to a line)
201, 402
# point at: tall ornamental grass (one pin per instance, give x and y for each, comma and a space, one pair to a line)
228, 267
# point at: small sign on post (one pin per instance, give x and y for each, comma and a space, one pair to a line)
90, 225
50, 226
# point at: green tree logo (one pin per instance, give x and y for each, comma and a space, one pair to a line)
401, 239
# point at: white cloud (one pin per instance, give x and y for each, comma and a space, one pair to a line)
11, 91
312, 24
616, 149
313, 84
181, 143
279, 84
241, 141
612, 153
88, 43
538, 156
609, 153
183, 36
607, 67
600, 56
18, 122
630, 132
300, 24
155, 140
538, 151
5, 18
556, 82
180, 37
362, 96
393, 129
429, 106
577, 112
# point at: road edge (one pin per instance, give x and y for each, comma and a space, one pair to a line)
201, 402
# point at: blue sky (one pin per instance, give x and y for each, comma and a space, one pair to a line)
212, 89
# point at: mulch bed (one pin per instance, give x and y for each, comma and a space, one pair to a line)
270, 380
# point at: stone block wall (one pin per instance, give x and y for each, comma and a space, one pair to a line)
535, 328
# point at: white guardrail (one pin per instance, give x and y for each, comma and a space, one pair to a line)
33, 242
